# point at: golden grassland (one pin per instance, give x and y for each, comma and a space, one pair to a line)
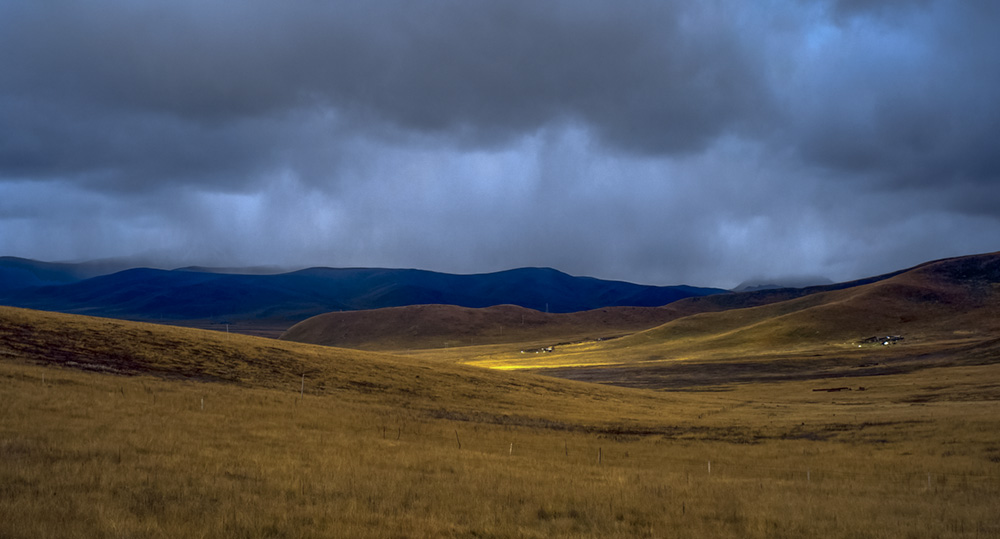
942, 307
961, 291
934, 315
117, 429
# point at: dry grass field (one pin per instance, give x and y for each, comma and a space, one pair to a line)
940, 309
118, 429
115, 429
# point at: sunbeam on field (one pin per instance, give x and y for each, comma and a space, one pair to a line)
114, 428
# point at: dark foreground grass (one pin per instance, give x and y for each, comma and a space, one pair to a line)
102, 454
92, 455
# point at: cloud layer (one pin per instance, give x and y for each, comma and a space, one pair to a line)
660, 142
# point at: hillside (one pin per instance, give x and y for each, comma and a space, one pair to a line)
121, 429
933, 301
437, 326
443, 326
194, 296
175, 353
935, 307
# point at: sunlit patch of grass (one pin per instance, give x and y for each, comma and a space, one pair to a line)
936, 316
507, 365
221, 439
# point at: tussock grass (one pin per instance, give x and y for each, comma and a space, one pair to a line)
215, 439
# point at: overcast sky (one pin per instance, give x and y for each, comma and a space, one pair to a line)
696, 142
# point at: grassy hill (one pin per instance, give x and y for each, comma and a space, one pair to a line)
175, 353
117, 429
443, 326
123, 429
948, 303
429, 327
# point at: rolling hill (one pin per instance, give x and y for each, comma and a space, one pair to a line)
442, 326
951, 304
114, 428
437, 326
187, 295
933, 301
129, 348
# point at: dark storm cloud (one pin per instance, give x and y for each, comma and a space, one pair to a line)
182, 89
910, 102
200, 91
659, 141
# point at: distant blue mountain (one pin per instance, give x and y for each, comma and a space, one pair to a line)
17, 273
206, 294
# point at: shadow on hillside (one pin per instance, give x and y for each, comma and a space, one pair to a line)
720, 375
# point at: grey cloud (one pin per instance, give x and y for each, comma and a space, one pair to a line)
180, 87
124, 151
658, 141
908, 105
216, 92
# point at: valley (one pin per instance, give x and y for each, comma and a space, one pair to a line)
776, 418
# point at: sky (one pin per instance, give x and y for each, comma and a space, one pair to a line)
653, 141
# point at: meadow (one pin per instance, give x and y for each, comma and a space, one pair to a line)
118, 429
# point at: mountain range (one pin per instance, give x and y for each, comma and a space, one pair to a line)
229, 296
936, 300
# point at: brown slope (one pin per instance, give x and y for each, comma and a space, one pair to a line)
757, 298
765, 312
935, 299
440, 326
117, 347
947, 303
